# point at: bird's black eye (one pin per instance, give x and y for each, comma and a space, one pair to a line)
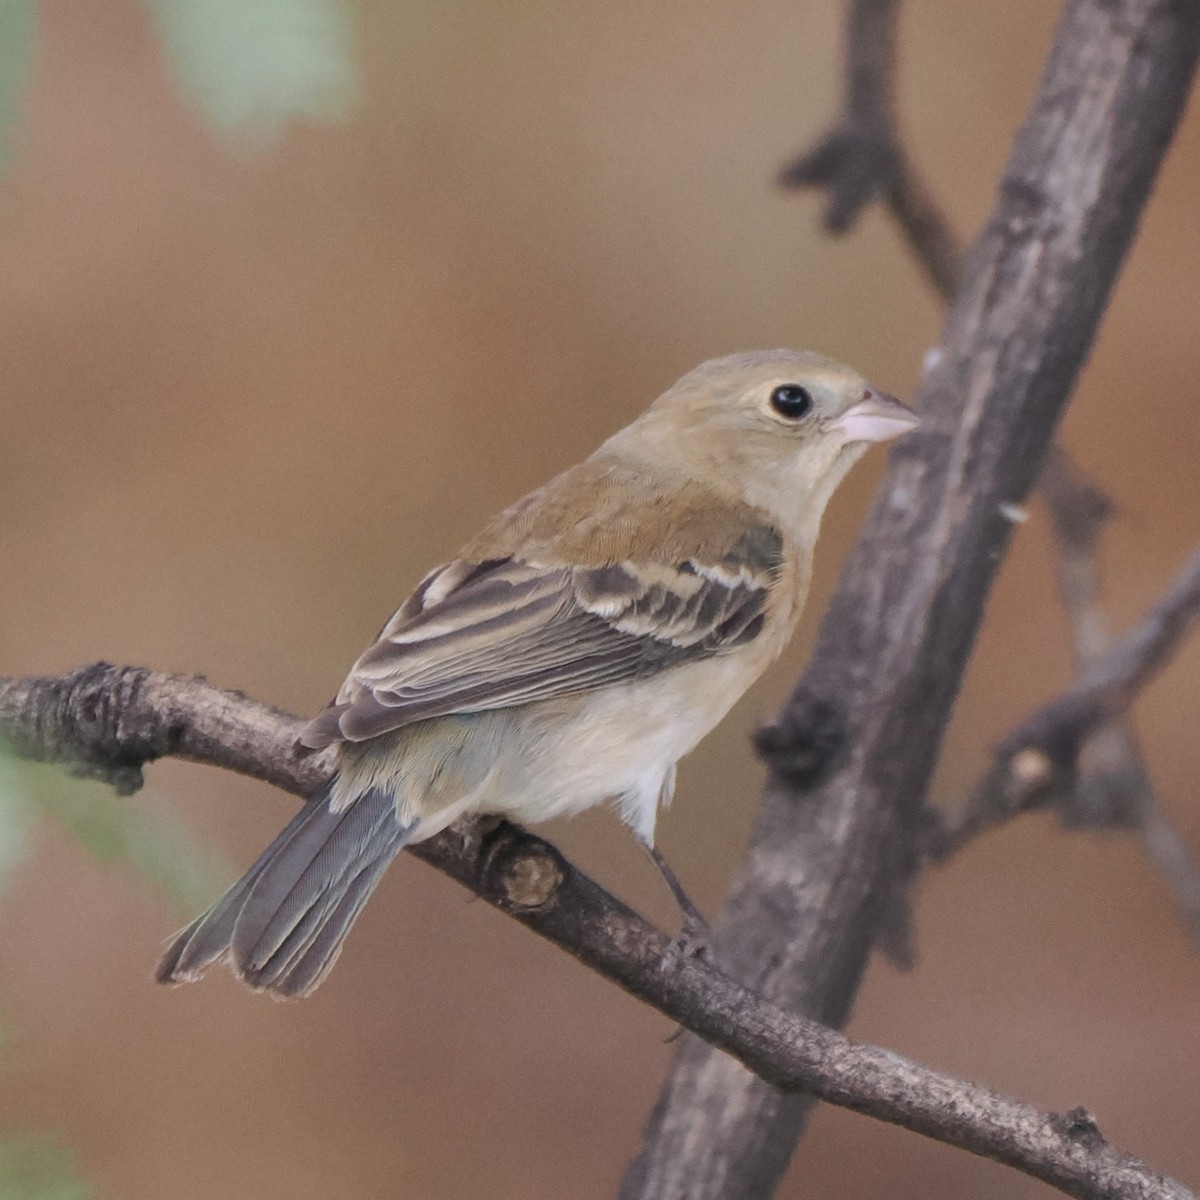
792, 401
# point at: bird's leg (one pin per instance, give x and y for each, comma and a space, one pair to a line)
692, 916
695, 938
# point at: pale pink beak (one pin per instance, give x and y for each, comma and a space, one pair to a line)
877, 417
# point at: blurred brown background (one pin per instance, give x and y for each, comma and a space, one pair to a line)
247, 401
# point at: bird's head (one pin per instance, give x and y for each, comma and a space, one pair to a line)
780, 427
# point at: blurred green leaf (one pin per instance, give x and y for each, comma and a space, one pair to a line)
16, 817
250, 66
38, 1169
16, 54
153, 843
116, 830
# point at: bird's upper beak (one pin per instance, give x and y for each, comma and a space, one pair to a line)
877, 417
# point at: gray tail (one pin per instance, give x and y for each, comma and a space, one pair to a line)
281, 926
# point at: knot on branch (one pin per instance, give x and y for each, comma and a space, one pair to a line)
1046, 747
1022, 778
518, 871
800, 746
1078, 1125
856, 166
88, 721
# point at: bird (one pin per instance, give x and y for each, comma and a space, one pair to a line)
569, 655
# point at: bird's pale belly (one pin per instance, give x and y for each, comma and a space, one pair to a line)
619, 745
552, 759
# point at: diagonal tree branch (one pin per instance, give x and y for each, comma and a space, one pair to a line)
1109, 685
105, 722
834, 846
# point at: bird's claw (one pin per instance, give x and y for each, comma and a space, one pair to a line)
694, 941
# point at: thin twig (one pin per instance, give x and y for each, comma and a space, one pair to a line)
1038, 763
106, 722
862, 157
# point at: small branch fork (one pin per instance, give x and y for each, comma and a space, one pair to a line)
106, 722
862, 157
1112, 788
1050, 757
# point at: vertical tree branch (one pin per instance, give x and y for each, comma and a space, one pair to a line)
853, 749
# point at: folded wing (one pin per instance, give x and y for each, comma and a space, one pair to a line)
494, 634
